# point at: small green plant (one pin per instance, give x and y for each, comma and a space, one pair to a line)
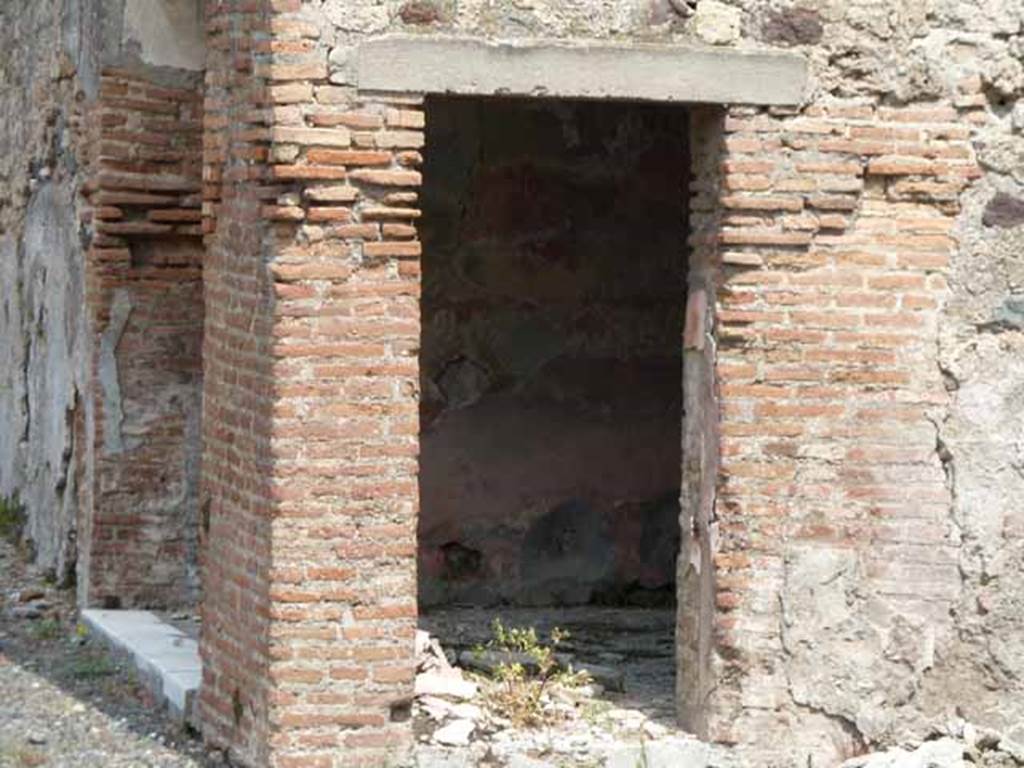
595, 712
521, 685
47, 629
92, 666
81, 631
12, 518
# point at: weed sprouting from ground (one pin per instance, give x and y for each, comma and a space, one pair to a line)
12, 518
47, 629
521, 684
92, 666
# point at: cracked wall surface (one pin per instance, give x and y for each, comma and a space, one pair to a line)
41, 272
850, 621
868, 318
70, 394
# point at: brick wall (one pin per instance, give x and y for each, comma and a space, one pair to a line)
863, 533
144, 304
310, 412
236, 501
344, 438
832, 511
821, 240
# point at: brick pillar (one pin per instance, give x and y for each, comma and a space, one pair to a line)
311, 416
237, 504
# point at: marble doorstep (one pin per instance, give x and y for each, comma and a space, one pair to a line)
166, 658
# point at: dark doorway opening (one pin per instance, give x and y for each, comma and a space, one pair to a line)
554, 273
554, 283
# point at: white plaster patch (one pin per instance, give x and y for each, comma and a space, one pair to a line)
169, 33
717, 23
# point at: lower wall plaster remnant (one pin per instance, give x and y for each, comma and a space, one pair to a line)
981, 436
42, 332
113, 411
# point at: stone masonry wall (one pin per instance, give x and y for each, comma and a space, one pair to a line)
865, 295
864, 303
861, 516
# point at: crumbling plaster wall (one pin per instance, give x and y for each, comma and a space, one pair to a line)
50, 73
980, 436
42, 338
139, 537
871, 53
165, 33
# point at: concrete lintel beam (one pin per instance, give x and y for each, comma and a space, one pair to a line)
475, 67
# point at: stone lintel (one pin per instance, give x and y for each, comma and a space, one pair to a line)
475, 67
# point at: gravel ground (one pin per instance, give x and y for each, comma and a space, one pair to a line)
63, 702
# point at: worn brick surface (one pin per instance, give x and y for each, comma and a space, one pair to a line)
310, 413
138, 529
828, 386
236, 502
851, 564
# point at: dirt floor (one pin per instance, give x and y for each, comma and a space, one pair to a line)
63, 701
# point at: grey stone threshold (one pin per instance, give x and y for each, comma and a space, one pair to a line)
166, 659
